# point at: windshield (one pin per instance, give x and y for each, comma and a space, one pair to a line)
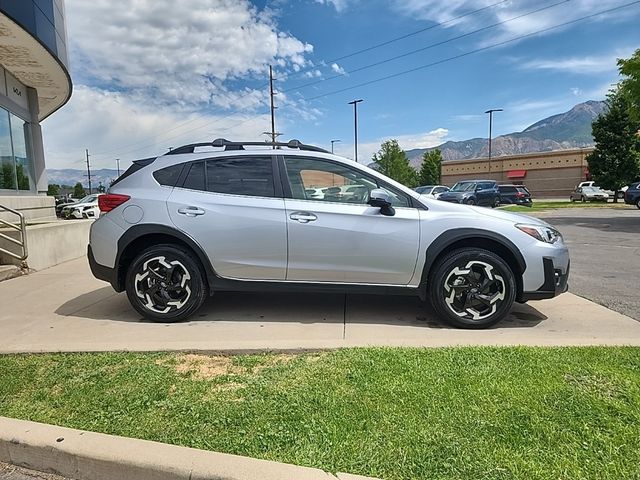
463, 187
590, 189
424, 189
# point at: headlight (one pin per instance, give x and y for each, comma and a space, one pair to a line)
541, 232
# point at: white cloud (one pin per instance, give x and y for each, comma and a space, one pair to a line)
439, 11
339, 5
153, 74
406, 141
584, 65
176, 54
115, 125
576, 91
338, 69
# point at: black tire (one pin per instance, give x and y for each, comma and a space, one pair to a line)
496, 202
583, 199
638, 203
471, 307
572, 200
166, 277
470, 201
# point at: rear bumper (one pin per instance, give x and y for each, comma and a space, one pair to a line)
100, 271
555, 282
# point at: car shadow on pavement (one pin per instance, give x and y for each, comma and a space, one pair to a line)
305, 308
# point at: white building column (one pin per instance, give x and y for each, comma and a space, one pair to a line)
37, 148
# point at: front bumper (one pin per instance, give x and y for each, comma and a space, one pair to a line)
556, 281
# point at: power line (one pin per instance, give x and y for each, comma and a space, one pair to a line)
402, 37
427, 47
477, 50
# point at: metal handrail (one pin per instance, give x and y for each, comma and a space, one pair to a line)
22, 243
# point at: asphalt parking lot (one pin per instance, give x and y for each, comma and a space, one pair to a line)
605, 254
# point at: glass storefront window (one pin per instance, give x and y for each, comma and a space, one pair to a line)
20, 153
15, 159
7, 165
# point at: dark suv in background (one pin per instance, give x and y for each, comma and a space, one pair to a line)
515, 195
473, 192
632, 195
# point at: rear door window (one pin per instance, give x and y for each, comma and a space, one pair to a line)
251, 176
195, 177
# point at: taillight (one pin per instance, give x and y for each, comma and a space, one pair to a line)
109, 201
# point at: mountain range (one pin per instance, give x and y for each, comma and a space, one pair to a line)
71, 176
566, 130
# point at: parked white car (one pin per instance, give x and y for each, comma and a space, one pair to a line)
432, 191
85, 208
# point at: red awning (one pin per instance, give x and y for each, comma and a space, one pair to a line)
516, 174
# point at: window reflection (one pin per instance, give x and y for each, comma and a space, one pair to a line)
15, 157
7, 165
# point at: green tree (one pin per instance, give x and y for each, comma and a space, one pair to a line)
393, 162
615, 161
78, 191
431, 168
53, 190
630, 84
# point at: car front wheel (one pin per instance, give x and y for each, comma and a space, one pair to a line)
472, 288
165, 283
638, 203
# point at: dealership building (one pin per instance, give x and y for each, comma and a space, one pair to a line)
34, 83
546, 174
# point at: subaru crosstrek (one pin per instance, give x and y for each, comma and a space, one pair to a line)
177, 228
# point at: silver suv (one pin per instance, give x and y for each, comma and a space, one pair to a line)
239, 216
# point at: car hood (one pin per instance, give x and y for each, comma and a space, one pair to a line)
474, 211
453, 195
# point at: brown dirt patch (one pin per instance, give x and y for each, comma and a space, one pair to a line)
204, 367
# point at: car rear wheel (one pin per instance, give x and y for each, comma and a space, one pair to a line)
472, 288
164, 283
638, 203
496, 202
583, 199
470, 201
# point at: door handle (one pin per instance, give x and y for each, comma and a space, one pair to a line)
191, 211
303, 217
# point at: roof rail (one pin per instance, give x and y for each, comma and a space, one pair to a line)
228, 145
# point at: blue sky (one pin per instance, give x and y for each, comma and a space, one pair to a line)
151, 75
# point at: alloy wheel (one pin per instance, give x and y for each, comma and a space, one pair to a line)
474, 291
163, 286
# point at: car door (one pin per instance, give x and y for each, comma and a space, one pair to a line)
340, 238
485, 194
234, 209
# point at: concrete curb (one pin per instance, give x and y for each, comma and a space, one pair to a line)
95, 456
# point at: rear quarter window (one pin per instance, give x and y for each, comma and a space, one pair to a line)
168, 176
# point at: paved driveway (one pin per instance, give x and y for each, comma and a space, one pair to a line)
65, 309
605, 254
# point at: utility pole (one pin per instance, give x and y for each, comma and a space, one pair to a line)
274, 135
118, 164
355, 126
490, 112
332, 142
88, 170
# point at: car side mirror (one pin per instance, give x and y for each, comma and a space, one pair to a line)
381, 199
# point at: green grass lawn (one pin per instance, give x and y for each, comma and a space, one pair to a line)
548, 205
476, 413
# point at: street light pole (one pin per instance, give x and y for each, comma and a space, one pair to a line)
332, 142
355, 126
118, 164
490, 112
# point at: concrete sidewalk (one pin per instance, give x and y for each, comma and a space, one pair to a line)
65, 309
